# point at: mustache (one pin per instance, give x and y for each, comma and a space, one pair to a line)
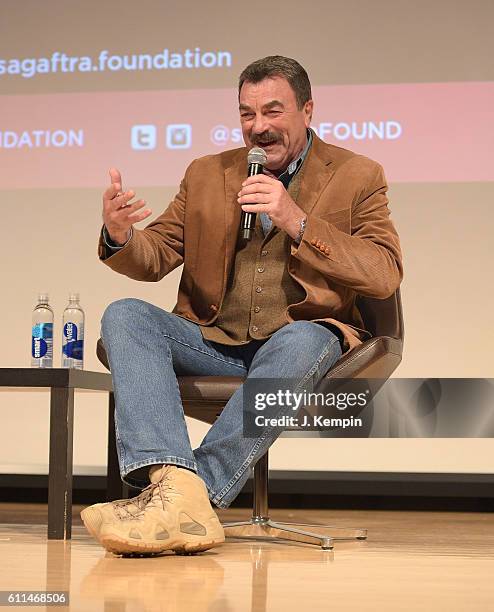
265, 138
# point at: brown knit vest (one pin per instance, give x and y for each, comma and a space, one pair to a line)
259, 288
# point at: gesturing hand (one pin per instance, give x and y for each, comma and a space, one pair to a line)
119, 213
261, 193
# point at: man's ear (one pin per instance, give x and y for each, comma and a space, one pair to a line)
308, 108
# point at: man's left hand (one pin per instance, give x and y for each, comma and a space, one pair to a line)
261, 193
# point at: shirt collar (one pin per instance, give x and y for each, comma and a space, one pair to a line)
295, 165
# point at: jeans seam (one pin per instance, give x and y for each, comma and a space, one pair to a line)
169, 459
177, 389
119, 443
208, 487
139, 464
315, 367
217, 498
118, 440
203, 352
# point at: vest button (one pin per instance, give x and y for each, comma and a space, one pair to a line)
258, 289
264, 253
257, 308
261, 269
255, 328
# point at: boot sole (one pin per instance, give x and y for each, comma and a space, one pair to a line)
92, 519
119, 545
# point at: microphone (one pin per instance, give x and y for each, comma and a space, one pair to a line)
256, 159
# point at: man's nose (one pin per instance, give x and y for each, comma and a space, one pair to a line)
260, 124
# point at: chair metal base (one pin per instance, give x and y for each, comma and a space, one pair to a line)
264, 529
261, 527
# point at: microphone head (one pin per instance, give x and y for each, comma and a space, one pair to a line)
257, 156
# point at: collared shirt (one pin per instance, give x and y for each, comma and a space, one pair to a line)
285, 177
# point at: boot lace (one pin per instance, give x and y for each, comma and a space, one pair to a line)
164, 487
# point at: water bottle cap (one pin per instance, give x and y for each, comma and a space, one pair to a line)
43, 298
73, 297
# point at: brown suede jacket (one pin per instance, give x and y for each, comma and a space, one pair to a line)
350, 245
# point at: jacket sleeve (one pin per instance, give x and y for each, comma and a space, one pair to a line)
153, 252
368, 260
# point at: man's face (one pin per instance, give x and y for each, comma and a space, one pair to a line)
271, 120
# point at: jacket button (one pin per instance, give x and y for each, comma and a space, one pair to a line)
255, 328
213, 307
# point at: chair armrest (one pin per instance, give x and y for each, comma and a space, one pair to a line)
374, 358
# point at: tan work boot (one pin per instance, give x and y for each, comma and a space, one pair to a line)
178, 517
118, 510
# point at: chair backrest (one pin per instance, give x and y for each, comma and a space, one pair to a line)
383, 317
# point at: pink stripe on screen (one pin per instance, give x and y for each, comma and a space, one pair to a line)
418, 132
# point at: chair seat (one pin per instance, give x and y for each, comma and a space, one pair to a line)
204, 397
208, 389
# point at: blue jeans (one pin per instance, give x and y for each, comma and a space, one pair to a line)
148, 348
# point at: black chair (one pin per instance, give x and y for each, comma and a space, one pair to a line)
204, 397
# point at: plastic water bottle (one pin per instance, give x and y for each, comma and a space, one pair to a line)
42, 334
73, 334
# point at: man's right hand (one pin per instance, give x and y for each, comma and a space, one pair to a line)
119, 213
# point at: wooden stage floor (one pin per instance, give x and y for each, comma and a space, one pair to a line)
420, 561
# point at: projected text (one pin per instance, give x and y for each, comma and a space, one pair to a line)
166, 59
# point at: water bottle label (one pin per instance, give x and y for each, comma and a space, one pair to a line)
42, 337
40, 348
43, 330
74, 349
70, 331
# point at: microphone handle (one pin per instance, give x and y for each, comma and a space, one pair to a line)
248, 219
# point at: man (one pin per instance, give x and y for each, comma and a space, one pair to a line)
281, 305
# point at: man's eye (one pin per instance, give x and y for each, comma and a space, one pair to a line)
273, 113
246, 116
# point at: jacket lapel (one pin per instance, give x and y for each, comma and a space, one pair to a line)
316, 173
